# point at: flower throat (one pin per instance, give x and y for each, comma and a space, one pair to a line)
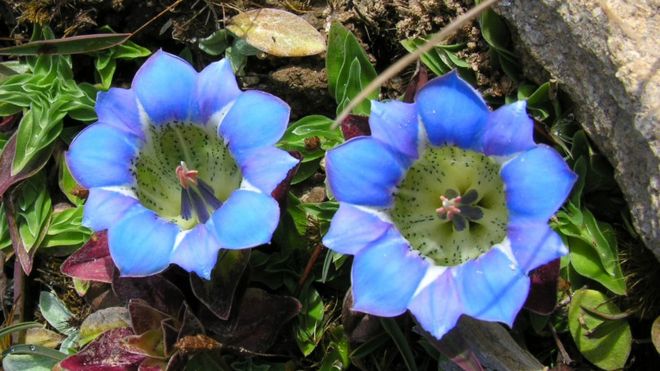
183, 172
451, 205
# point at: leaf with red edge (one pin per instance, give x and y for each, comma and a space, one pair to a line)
149, 344
256, 323
218, 293
144, 317
355, 126
190, 324
156, 290
7, 179
92, 262
105, 354
24, 257
542, 297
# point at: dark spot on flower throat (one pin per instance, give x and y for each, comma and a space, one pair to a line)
157, 185
451, 205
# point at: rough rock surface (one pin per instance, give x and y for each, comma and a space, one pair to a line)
605, 55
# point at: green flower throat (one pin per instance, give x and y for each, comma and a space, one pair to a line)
180, 161
451, 205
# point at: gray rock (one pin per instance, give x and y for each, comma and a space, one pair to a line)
605, 55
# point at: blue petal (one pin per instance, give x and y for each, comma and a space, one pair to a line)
216, 87
118, 108
165, 86
493, 287
385, 276
197, 252
452, 112
141, 243
509, 130
438, 306
537, 183
267, 167
256, 119
396, 124
535, 244
101, 155
363, 171
104, 208
352, 229
246, 219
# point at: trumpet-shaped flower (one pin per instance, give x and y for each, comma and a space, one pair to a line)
445, 207
181, 165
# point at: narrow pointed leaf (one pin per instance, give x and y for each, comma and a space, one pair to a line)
68, 45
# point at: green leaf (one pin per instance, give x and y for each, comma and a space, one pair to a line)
66, 229
655, 334
215, 44
368, 347
68, 185
5, 239
393, 329
442, 58
38, 128
237, 60
68, 45
587, 263
22, 326
31, 362
56, 313
33, 209
352, 86
346, 59
309, 329
106, 64
605, 343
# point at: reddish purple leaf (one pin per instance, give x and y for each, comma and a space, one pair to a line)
355, 126
256, 323
420, 79
156, 291
218, 293
151, 364
7, 122
282, 189
105, 354
542, 297
144, 317
91, 262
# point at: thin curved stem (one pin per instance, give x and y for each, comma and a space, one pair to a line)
402, 63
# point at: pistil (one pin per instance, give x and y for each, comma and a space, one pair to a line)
449, 207
197, 197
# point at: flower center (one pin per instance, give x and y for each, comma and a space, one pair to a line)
184, 171
451, 205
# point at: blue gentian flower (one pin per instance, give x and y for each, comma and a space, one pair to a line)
181, 165
445, 207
